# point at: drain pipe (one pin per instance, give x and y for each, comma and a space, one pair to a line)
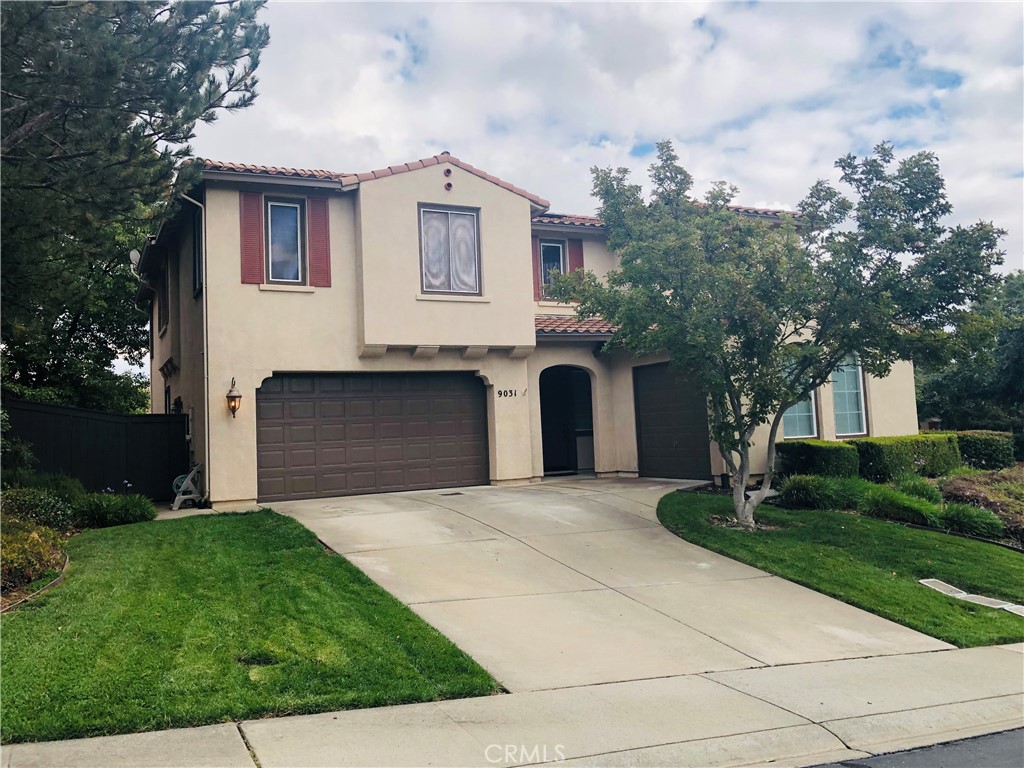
206, 357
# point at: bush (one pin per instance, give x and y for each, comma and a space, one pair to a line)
67, 488
103, 510
35, 505
850, 491
890, 504
966, 518
883, 459
27, 552
1000, 492
817, 457
984, 449
916, 486
808, 492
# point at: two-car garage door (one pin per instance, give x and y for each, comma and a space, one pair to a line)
349, 433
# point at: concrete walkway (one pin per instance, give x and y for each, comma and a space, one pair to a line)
621, 645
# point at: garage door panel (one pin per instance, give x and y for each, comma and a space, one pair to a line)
332, 409
334, 434
672, 425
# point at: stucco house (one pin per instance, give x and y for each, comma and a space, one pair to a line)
389, 331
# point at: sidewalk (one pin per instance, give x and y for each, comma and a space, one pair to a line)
802, 714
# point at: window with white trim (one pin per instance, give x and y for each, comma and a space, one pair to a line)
848, 398
449, 250
552, 262
286, 236
800, 420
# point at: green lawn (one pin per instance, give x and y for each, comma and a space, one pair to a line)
212, 618
873, 564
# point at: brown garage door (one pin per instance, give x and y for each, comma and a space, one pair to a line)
671, 424
347, 433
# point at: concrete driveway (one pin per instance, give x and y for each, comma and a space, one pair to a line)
574, 582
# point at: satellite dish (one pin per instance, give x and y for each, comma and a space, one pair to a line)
135, 257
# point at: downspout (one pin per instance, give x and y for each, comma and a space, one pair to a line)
206, 357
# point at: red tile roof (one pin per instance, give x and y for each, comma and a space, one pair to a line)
569, 219
593, 222
347, 179
571, 326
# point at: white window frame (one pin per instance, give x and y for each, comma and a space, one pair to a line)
300, 209
814, 419
563, 266
448, 211
863, 400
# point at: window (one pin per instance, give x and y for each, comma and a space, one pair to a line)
800, 420
197, 254
449, 250
286, 230
848, 396
552, 262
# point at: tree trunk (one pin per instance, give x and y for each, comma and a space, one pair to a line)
740, 477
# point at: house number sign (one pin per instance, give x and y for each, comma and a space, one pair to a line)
508, 393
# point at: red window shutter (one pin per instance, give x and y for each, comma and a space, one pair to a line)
319, 243
536, 269
250, 206
575, 255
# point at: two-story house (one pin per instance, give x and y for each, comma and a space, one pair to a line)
389, 331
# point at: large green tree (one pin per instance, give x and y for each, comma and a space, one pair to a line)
99, 103
982, 383
762, 312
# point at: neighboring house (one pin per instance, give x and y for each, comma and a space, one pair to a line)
389, 331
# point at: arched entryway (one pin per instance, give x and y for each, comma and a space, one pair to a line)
567, 420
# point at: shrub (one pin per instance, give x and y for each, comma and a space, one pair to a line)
850, 491
916, 486
966, 518
817, 457
808, 492
67, 488
984, 449
890, 504
103, 510
884, 458
27, 552
35, 505
1000, 492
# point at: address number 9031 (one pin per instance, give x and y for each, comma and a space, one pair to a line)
508, 393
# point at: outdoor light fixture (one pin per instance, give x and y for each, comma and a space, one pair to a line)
234, 398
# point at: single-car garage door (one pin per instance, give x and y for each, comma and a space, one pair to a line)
671, 424
347, 433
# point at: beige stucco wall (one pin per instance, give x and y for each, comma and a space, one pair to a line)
395, 310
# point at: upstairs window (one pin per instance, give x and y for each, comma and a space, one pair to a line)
848, 396
449, 250
286, 227
552, 262
800, 420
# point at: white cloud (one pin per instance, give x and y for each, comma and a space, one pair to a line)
766, 96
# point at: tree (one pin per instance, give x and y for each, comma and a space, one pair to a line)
982, 385
99, 102
762, 312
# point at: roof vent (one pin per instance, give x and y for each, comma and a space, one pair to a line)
445, 152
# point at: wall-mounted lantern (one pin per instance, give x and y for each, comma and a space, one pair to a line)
234, 398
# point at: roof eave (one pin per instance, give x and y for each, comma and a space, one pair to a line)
280, 180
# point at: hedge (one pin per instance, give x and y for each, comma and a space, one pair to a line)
817, 457
37, 506
985, 449
883, 459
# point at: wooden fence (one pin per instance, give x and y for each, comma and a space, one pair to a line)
104, 450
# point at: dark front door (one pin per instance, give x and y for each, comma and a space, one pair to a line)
566, 416
339, 434
671, 424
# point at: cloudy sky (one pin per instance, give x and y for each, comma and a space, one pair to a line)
764, 95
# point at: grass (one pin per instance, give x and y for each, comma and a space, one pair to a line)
214, 618
872, 564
